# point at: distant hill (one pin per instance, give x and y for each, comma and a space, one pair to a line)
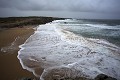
11, 22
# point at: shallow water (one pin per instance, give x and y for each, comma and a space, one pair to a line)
71, 48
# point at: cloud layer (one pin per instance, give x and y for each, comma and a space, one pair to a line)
93, 6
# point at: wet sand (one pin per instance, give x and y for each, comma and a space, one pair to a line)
10, 39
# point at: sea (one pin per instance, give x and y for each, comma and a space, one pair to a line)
73, 48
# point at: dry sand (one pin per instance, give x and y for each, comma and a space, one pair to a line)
10, 39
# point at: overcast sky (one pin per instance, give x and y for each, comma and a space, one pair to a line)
61, 8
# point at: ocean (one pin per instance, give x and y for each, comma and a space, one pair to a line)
73, 48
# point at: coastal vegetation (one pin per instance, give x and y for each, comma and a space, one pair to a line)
10, 22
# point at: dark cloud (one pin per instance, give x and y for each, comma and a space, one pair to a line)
111, 7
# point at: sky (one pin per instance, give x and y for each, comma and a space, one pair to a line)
100, 9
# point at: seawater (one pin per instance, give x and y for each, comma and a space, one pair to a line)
72, 48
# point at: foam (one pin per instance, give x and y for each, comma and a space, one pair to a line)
56, 49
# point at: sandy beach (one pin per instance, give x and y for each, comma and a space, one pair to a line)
10, 39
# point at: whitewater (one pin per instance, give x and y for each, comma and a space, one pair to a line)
61, 49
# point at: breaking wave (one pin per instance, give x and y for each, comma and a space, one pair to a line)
65, 48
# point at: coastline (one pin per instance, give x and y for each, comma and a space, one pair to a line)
10, 43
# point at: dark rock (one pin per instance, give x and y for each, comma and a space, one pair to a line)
110, 78
27, 78
103, 77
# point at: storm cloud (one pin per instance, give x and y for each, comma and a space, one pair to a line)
67, 8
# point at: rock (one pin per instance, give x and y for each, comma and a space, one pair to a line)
27, 78
103, 77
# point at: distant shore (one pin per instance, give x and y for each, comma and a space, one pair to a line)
20, 22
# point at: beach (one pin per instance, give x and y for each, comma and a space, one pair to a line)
10, 39
61, 49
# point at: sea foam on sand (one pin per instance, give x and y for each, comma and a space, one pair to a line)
63, 54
